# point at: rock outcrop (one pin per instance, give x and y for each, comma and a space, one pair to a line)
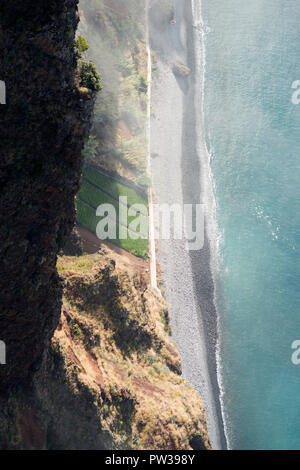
111, 378
73, 247
43, 127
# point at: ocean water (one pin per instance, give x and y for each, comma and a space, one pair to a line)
252, 128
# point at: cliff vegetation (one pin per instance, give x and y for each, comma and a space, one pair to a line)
111, 378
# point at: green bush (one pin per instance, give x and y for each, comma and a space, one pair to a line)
89, 76
81, 46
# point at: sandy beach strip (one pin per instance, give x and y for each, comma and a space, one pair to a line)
176, 174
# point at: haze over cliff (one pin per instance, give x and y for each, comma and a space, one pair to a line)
90, 359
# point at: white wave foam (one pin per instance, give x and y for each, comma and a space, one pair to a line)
208, 186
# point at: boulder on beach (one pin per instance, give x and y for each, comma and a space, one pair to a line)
180, 69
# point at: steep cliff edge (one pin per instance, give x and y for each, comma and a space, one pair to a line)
111, 378
43, 127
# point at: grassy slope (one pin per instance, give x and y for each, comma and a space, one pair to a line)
115, 345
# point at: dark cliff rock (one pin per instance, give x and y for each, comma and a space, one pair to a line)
73, 247
43, 127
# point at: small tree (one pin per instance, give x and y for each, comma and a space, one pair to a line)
89, 77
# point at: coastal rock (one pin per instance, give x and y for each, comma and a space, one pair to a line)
73, 247
43, 128
180, 69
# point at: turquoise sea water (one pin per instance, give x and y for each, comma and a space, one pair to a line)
253, 135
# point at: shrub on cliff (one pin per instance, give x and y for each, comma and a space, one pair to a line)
81, 46
89, 76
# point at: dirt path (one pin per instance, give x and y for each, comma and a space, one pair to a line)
152, 247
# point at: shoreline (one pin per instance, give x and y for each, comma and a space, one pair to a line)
177, 172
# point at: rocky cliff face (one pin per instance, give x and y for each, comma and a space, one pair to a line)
43, 127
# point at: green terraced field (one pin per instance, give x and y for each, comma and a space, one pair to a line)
97, 189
